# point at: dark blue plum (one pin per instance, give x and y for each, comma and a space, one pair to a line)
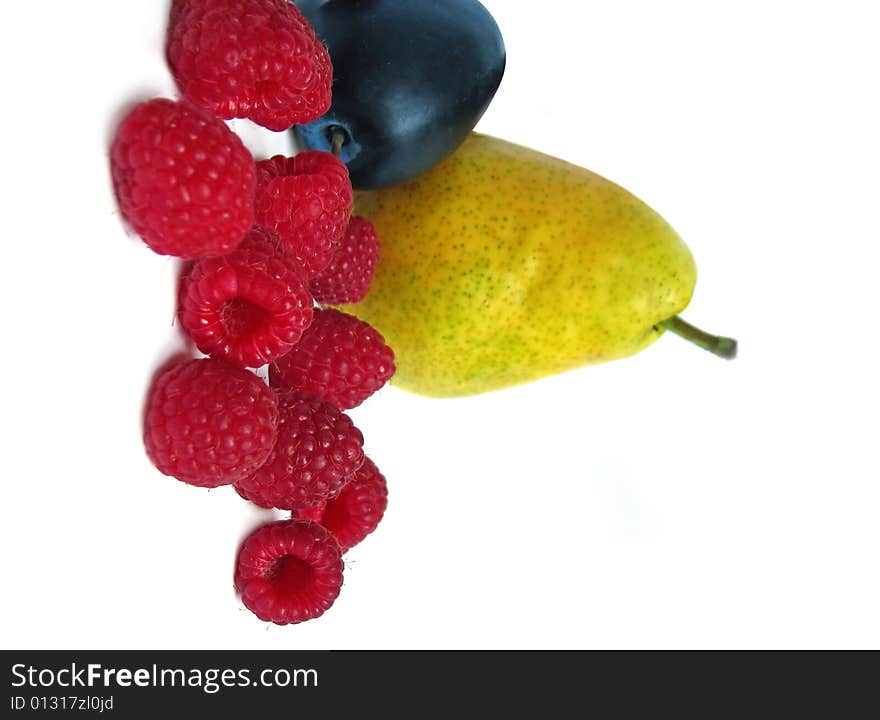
410, 80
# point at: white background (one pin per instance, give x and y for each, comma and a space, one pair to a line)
668, 500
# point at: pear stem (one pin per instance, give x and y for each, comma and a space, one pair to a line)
723, 347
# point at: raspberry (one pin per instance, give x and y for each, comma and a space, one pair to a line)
356, 511
183, 180
339, 358
264, 241
317, 452
347, 278
256, 59
259, 240
245, 307
269, 243
307, 200
289, 571
209, 423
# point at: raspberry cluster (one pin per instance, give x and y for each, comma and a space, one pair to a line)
263, 240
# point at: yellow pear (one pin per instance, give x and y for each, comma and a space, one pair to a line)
502, 265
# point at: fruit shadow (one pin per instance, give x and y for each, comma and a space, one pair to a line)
182, 346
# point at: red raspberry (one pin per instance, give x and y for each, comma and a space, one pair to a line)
183, 180
245, 307
256, 59
347, 278
289, 571
356, 511
317, 452
269, 243
209, 423
313, 513
307, 200
264, 241
258, 239
339, 358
